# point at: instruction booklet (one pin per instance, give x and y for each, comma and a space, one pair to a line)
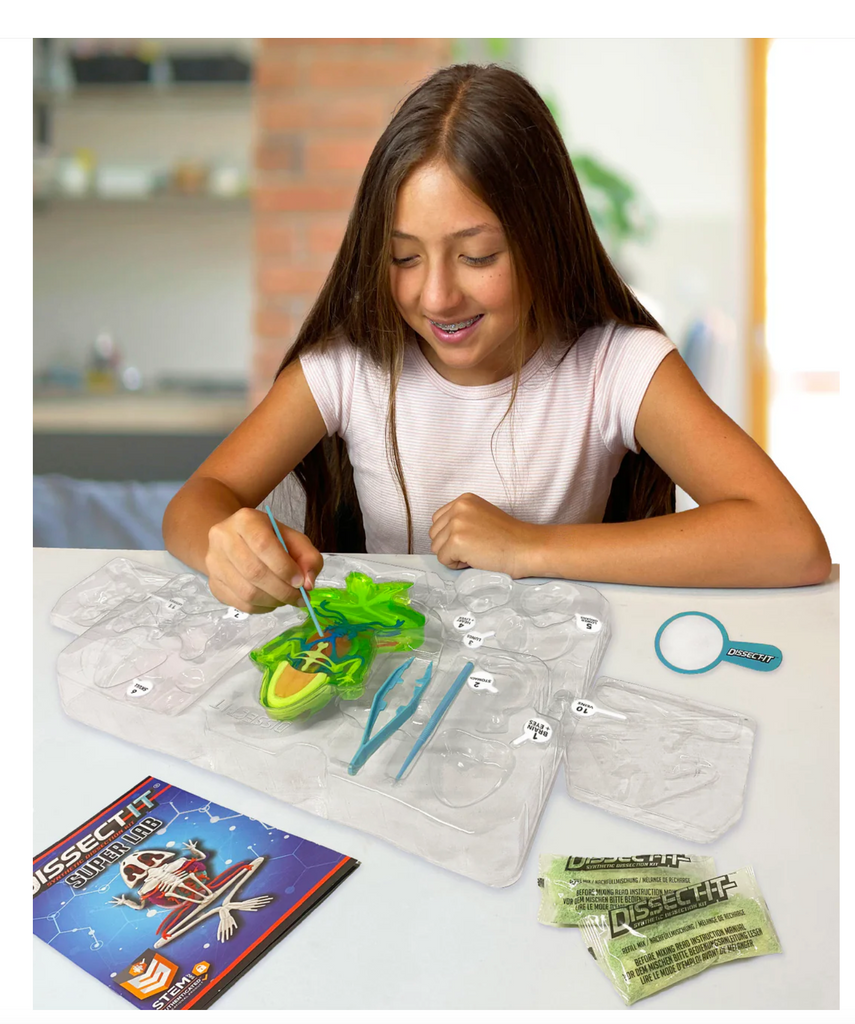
168, 898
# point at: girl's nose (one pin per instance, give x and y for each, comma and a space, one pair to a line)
441, 293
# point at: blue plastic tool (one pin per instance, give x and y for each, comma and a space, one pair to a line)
305, 596
369, 743
435, 718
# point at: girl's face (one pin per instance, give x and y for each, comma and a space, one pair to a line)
452, 278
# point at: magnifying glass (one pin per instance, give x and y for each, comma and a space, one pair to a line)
692, 642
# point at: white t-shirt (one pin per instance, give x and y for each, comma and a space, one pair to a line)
552, 460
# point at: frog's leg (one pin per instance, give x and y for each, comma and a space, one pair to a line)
287, 680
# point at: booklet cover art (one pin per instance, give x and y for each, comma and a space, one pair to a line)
168, 898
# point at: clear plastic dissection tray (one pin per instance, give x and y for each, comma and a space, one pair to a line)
163, 651
660, 759
446, 742
93, 599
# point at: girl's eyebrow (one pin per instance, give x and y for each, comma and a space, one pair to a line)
463, 233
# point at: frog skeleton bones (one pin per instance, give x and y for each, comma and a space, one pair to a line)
168, 878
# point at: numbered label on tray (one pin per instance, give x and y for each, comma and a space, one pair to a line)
235, 615
475, 639
464, 622
588, 623
535, 730
482, 681
139, 687
587, 707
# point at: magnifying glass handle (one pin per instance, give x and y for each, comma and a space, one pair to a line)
761, 657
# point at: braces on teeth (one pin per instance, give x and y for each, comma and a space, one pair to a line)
452, 328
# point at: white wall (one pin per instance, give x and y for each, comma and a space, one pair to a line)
670, 115
173, 284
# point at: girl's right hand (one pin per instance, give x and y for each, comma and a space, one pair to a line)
249, 569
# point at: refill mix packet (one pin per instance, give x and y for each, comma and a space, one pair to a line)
648, 946
573, 887
167, 898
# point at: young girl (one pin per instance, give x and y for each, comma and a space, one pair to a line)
475, 380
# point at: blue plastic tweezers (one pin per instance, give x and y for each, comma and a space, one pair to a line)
434, 719
371, 743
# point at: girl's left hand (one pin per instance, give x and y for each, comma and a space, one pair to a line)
469, 531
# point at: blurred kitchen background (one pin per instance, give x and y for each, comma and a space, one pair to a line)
189, 196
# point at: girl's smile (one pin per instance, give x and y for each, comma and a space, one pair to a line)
452, 278
454, 334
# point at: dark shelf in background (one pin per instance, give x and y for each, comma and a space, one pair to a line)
111, 69
209, 68
143, 457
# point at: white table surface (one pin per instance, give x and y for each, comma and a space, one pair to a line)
403, 934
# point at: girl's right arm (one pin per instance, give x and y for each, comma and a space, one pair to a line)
212, 524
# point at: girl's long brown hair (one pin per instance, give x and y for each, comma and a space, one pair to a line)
496, 133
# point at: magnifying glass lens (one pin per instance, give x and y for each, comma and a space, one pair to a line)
690, 643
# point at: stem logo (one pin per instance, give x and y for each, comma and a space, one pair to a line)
148, 974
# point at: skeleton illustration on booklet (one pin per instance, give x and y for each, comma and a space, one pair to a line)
158, 878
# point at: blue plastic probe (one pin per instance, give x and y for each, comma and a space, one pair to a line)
309, 607
434, 719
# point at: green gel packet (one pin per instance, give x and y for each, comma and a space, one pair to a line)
645, 947
573, 887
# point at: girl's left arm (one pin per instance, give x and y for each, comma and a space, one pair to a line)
750, 529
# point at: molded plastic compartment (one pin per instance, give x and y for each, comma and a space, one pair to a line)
92, 600
164, 652
672, 763
556, 621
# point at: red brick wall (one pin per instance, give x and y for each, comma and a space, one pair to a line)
320, 105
